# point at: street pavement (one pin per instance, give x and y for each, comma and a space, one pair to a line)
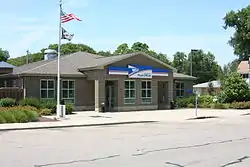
216, 142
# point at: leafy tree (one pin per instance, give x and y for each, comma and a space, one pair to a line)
211, 89
229, 68
65, 49
180, 62
234, 88
18, 61
204, 66
4, 55
69, 48
240, 41
140, 47
122, 49
106, 54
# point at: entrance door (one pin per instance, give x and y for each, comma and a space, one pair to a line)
162, 95
110, 96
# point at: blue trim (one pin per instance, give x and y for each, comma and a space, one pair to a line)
160, 70
142, 67
118, 69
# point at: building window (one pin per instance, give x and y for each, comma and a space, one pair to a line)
179, 88
68, 91
129, 92
14, 83
5, 84
146, 92
47, 89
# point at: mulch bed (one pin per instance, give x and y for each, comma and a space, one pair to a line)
44, 119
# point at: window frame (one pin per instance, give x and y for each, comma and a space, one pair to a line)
47, 89
68, 89
180, 89
146, 89
129, 89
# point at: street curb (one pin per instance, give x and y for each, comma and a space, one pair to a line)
79, 125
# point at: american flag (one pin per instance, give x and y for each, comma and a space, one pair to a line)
68, 17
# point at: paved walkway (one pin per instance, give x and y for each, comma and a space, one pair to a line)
97, 119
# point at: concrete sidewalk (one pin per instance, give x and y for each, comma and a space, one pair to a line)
98, 119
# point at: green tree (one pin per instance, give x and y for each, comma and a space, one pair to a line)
140, 47
4, 55
229, 68
69, 48
122, 49
234, 88
105, 53
204, 66
240, 41
211, 89
180, 62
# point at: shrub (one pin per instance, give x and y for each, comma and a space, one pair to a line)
184, 101
235, 88
69, 109
7, 102
8, 117
49, 104
32, 115
20, 116
2, 120
240, 105
205, 99
30, 102
220, 106
190, 105
46, 111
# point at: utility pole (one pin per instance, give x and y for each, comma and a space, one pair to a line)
248, 69
27, 56
191, 61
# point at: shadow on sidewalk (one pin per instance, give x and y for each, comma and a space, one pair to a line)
203, 117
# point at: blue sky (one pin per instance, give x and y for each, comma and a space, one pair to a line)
166, 26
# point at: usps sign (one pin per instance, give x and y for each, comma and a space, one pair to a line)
139, 73
135, 71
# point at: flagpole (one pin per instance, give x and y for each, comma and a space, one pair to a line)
58, 108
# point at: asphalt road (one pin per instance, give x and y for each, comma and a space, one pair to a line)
214, 143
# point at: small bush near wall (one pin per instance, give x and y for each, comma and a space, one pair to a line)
7, 102
30, 102
69, 109
184, 101
204, 101
42, 107
45, 111
49, 104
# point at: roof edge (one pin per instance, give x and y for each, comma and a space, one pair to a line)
137, 53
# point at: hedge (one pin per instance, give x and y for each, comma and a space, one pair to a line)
18, 114
206, 101
7, 102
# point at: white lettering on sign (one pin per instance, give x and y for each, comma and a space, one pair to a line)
142, 74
